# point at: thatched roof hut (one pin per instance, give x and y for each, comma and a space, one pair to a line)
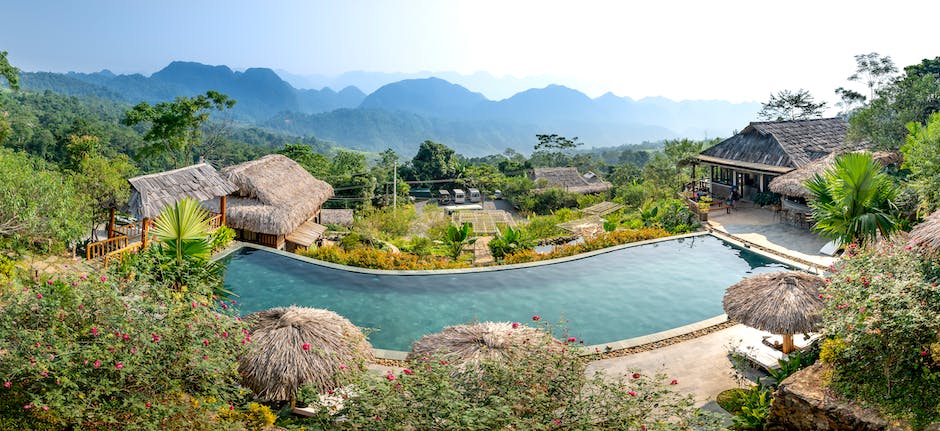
342, 217
475, 342
292, 346
926, 234
779, 146
275, 196
151, 193
794, 182
570, 180
784, 303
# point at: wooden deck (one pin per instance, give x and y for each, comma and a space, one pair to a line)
602, 208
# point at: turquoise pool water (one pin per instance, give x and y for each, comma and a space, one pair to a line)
621, 294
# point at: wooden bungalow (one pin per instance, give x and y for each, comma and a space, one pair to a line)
751, 159
569, 179
150, 194
277, 202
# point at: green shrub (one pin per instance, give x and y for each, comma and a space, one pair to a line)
387, 223
603, 240
883, 314
508, 241
767, 198
222, 237
754, 407
101, 352
366, 257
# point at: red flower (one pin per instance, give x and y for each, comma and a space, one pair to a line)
390, 377
7, 384
923, 353
147, 405
632, 394
536, 318
38, 296
49, 281
97, 363
556, 422
515, 325
342, 366
442, 362
636, 375
205, 342
104, 278
156, 338
94, 332
119, 365
306, 347
674, 382
407, 371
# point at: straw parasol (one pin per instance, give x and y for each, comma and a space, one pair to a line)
293, 345
927, 233
783, 303
794, 182
475, 342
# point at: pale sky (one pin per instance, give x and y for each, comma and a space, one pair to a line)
730, 50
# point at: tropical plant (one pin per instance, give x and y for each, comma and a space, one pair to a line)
183, 230
923, 160
508, 241
754, 408
222, 237
456, 238
854, 200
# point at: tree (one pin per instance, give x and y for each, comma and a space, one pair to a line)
435, 161
854, 200
175, 127
874, 71
103, 183
10, 73
317, 164
183, 231
456, 238
922, 157
787, 105
556, 142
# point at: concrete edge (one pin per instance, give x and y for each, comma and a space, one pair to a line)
654, 337
239, 245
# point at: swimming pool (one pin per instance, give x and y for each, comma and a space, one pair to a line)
612, 296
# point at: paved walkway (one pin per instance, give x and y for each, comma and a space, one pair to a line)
481, 251
701, 365
759, 226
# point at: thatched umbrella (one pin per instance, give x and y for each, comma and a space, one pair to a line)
784, 303
927, 233
291, 346
793, 183
475, 342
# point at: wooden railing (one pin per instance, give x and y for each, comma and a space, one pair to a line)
215, 222
98, 249
132, 230
121, 253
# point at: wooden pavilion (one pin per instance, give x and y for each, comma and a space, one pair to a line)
150, 194
751, 159
276, 202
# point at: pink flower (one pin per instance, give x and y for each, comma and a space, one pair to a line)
194, 304
556, 421
84, 277
74, 284
674, 382
572, 339
407, 371
49, 281
133, 351
104, 278
390, 377
631, 393
536, 318
38, 296
515, 325
27, 407
205, 342
155, 337
81, 306
342, 366
45, 408
306, 347
97, 363
119, 365
148, 405
923, 353
231, 406
94, 332
7, 384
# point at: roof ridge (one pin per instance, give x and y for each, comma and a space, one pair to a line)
156, 174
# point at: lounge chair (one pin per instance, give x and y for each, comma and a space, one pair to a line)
762, 354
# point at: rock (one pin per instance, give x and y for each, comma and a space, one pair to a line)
802, 403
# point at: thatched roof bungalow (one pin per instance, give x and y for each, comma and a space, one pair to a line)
751, 159
342, 217
570, 180
277, 202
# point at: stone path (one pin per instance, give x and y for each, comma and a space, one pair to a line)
481, 251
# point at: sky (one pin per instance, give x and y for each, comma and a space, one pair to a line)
683, 50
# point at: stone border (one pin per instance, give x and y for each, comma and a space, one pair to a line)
611, 349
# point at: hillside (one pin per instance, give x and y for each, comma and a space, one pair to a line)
402, 114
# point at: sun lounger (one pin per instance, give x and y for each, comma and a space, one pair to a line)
800, 341
759, 354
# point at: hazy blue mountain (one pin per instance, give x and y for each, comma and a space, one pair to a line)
430, 97
325, 100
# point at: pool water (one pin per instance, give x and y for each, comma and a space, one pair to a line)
608, 297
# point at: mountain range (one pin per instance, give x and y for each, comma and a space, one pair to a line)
402, 114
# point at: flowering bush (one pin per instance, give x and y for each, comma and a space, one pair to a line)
883, 314
380, 259
603, 240
103, 352
547, 388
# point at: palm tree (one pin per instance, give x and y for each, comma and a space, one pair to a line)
183, 230
854, 200
455, 238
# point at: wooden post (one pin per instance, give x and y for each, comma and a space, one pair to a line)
144, 233
788, 343
111, 223
222, 209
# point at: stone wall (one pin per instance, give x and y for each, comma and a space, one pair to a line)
801, 403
